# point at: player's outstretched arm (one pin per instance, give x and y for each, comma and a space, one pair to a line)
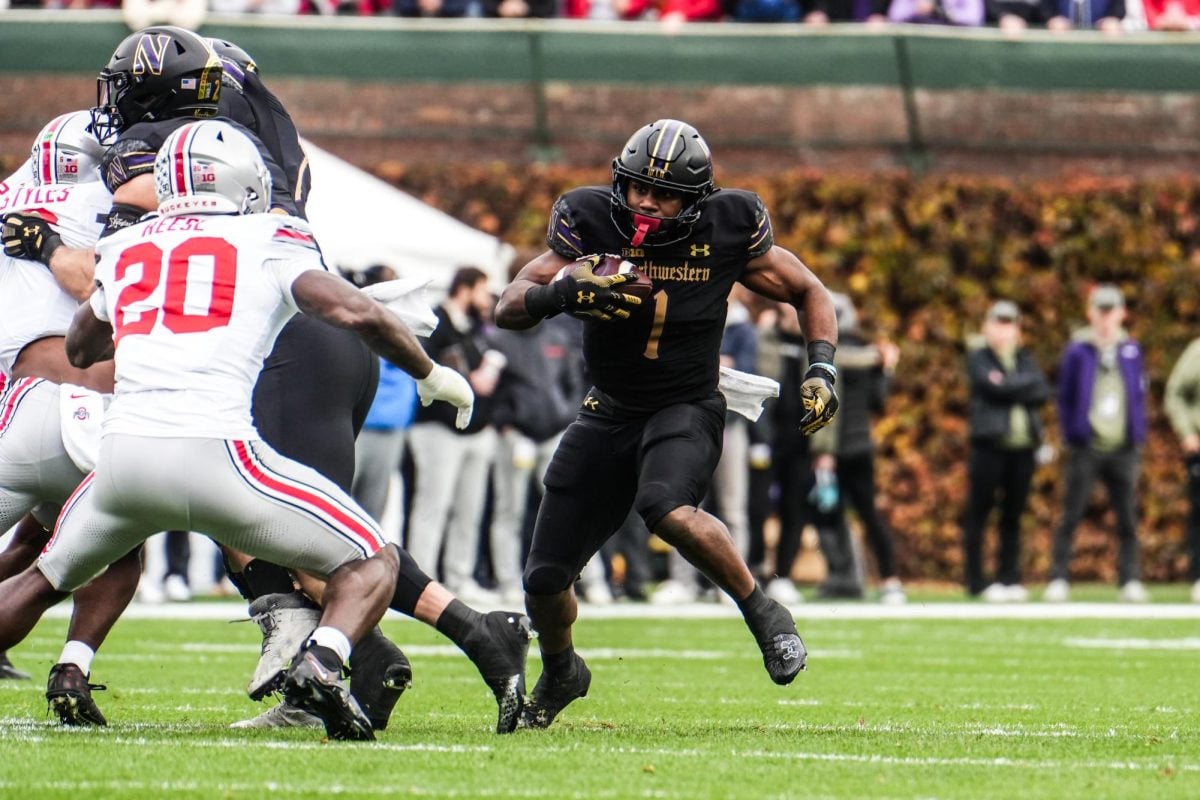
335, 301
89, 339
780, 275
511, 312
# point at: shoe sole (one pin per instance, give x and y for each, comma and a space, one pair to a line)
69, 711
341, 721
510, 696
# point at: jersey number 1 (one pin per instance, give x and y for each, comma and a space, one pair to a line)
179, 312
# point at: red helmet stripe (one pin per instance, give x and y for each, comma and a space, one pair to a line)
49, 150
181, 175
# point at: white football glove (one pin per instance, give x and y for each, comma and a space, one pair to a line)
443, 383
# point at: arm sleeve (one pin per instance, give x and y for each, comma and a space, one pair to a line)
561, 235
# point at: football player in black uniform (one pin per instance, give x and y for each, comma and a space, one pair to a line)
315, 387
649, 432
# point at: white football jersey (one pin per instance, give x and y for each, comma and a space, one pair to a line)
196, 303
32, 306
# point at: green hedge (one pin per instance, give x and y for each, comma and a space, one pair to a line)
923, 258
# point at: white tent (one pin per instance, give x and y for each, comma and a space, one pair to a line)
360, 220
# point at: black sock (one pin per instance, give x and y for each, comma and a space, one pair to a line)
263, 577
239, 582
559, 662
757, 610
457, 623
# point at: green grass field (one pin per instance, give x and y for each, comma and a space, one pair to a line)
899, 708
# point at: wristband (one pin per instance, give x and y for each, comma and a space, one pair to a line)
541, 301
821, 352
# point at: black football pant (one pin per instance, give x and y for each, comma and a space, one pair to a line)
1193, 522
1118, 471
856, 485
995, 471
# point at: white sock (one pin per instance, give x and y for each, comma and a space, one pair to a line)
79, 654
334, 639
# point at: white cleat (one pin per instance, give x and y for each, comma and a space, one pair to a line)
783, 591
673, 593
1196, 592
286, 620
995, 593
1017, 593
1057, 591
176, 589
283, 715
892, 593
1134, 592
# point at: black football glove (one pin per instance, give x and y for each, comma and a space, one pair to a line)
30, 237
583, 293
818, 398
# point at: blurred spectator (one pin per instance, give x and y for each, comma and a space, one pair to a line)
937, 12
822, 12
1016, 15
537, 398
1183, 409
452, 465
255, 6
1105, 15
1102, 411
520, 9
730, 485
1007, 391
379, 446
846, 446
794, 478
430, 8
766, 10
1172, 15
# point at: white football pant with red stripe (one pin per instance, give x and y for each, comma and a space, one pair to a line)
241, 493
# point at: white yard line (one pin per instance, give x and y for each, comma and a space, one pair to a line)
1187, 643
230, 611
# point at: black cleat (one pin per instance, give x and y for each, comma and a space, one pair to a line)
498, 648
70, 696
554, 692
379, 674
314, 684
784, 654
10, 673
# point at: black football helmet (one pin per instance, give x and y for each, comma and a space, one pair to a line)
670, 154
161, 72
234, 60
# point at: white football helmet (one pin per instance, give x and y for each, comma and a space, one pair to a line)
66, 151
210, 167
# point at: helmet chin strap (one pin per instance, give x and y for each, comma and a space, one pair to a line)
645, 226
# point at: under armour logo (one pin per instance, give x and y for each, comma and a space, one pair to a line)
585, 299
790, 647
700, 250
30, 231
591, 403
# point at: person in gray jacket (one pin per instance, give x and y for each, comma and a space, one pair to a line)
537, 398
1007, 390
1183, 409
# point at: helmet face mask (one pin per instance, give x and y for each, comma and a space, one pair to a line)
669, 155
66, 151
156, 73
210, 167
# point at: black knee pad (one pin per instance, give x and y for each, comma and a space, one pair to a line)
546, 579
655, 499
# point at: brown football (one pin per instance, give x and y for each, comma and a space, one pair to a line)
615, 265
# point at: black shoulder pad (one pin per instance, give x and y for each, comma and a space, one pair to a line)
561, 236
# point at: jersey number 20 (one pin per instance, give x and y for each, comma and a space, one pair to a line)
179, 312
